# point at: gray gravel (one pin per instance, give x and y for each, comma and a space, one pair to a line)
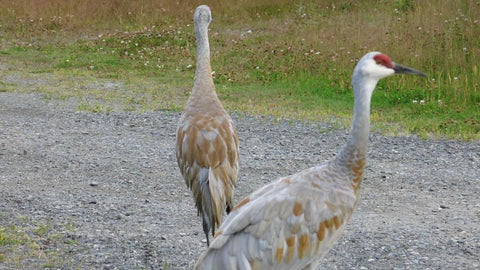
108, 186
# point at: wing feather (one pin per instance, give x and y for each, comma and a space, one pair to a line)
288, 224
207, 155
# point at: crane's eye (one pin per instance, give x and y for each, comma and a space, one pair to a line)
384, 60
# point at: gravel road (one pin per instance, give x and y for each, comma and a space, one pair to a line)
108, 193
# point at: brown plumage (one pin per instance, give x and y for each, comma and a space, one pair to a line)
207, 141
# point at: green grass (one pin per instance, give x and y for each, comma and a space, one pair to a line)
295, 62
312, 98
21, 243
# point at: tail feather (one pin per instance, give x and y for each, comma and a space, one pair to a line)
214, 259
204, 262
223, 257
218, 199
212, 196
200, 186
206, 204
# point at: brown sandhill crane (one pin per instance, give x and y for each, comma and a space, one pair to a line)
293, 222
207, 142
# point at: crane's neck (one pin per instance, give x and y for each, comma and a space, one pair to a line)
203, 83
352, 157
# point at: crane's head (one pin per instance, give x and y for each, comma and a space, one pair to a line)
376, 65
202, 15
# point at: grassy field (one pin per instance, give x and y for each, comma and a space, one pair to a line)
25, 245
288, 59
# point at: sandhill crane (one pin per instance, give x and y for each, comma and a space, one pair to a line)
293, 222
207, 142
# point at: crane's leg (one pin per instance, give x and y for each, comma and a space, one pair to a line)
205, 228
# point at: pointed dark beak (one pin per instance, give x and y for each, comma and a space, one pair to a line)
399, 69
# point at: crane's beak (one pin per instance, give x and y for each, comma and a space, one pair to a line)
407, 70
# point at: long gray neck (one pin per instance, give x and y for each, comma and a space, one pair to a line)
203, 73
352, 157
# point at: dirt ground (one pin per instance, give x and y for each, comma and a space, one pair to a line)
103, 191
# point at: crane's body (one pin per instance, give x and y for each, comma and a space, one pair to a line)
207, 142
292, 222
288, 224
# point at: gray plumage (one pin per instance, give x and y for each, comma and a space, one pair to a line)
293, 222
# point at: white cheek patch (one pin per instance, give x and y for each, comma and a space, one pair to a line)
388, 71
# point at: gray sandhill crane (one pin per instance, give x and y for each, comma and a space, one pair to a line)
207, 142
293, 222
